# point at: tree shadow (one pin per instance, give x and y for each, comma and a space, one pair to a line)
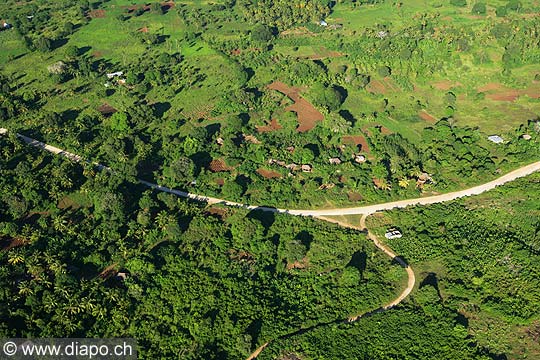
305, 238
266, 218
161, 108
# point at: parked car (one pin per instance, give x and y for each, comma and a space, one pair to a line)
393, 234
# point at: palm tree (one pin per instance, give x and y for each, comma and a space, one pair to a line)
403, 182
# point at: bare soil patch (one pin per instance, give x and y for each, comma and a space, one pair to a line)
10, 243
143, 29
445, 85
358, 140
217, 212
219, 165
508, 95
272, 126
97, 54
354, 196
236, 52
106, 109
268, 174
220, 181
491, 87
376, 87
424, 115
307, 114
95, 14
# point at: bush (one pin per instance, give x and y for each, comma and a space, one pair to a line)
501, 11
479, 9
384, 71
458, 2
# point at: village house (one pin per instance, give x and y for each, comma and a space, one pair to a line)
496, 139
334, 161
114, 74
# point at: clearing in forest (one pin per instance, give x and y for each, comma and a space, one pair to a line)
271, 126
268, 174
307, 114
358, 140
424, 115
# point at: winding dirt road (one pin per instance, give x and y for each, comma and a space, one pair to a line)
323, 213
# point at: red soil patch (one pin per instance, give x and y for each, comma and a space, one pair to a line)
445, 85
424, 115
236, 52
220, 181
509, 95
499, 92
272, 126
95, 14
307, 115
376, 87
217, 212
218, 165
108, 271
298, 264
490, 87
106, 109
8, 244
354, 196
97, 54
358, 140
143, 30
268, 174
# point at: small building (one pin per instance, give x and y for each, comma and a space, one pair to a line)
323, 23
526, 137
496, 139
334, 161
393, 234
114, 74
306, 168
360, 159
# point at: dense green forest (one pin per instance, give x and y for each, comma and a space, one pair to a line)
90, 254
477, 264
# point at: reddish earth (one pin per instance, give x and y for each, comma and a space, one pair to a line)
376, 87
272, 126
354, 196
218, 165
236, 52
97, 54
445, 85
358, 140
424, 115
217, 212
307, 114
491, 87
268, 174
298, 264
108, 271
143, 30
106, 109
220, 181
94, 14
7, 244
499, 92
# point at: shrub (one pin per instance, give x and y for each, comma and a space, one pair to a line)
458, 2
479, 9
384, 71
501, 11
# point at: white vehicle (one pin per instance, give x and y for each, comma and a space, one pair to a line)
393, 234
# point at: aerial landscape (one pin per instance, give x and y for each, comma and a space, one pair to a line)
257, 179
